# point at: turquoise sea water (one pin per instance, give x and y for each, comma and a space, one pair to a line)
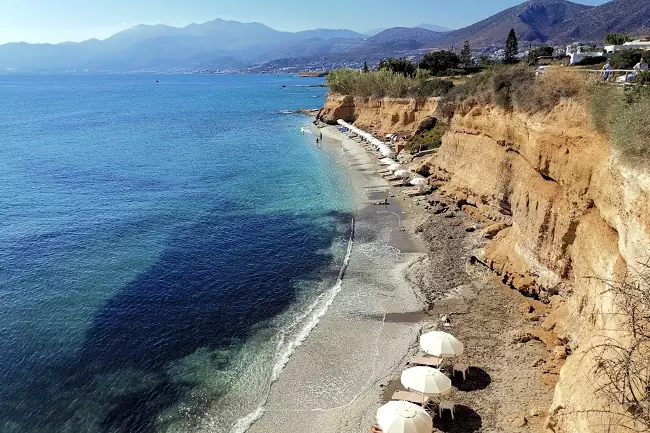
163, 247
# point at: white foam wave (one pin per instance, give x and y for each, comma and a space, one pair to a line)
310, 319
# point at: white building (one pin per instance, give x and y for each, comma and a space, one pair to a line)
640, 44
578, 52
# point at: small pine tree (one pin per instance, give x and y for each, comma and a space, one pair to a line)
365, 67
512, 47
466, 54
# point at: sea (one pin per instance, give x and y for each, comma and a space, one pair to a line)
166, 243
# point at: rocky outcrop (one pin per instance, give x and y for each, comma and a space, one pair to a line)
382, 116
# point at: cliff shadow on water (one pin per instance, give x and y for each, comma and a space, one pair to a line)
216, 282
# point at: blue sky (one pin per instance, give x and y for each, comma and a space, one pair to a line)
75, 20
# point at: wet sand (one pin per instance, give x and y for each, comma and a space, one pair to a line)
332, 382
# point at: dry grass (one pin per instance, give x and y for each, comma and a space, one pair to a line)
514, 87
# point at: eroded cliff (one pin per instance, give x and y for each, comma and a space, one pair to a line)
576, 221
383, 116
567, 220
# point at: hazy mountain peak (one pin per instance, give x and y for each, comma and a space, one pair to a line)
433, 27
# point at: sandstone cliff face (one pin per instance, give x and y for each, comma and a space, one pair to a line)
576, 220
382, 116
570, 219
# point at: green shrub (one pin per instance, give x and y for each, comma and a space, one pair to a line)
384, 83
426, 140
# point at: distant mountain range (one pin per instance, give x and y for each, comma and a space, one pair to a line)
231, 45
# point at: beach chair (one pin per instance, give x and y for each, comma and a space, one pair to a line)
376, 429
411, 397
428, 361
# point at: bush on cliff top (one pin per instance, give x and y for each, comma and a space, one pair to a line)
379, 84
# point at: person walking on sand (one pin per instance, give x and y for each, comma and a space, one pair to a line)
321, 134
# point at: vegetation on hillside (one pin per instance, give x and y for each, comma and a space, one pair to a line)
385, 83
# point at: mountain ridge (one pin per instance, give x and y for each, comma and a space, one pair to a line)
221, 44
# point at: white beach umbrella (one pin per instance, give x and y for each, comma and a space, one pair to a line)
387, 152
403, 417
441, 344
426, 380
394, 167
418, 181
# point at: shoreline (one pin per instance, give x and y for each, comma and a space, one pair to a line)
333, 380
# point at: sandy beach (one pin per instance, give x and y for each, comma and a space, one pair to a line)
410, 264
332, 381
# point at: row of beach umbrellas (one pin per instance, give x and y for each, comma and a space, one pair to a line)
382, 147
393, 166
405, 417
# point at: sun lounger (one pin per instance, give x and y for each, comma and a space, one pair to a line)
376, 429
411, 397
429, 361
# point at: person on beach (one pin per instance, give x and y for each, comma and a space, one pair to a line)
321, 134
381, 203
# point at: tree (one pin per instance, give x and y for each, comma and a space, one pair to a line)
512, 48
616, 39
544, 50
400, 66
439, 61
365, 67
466, 54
